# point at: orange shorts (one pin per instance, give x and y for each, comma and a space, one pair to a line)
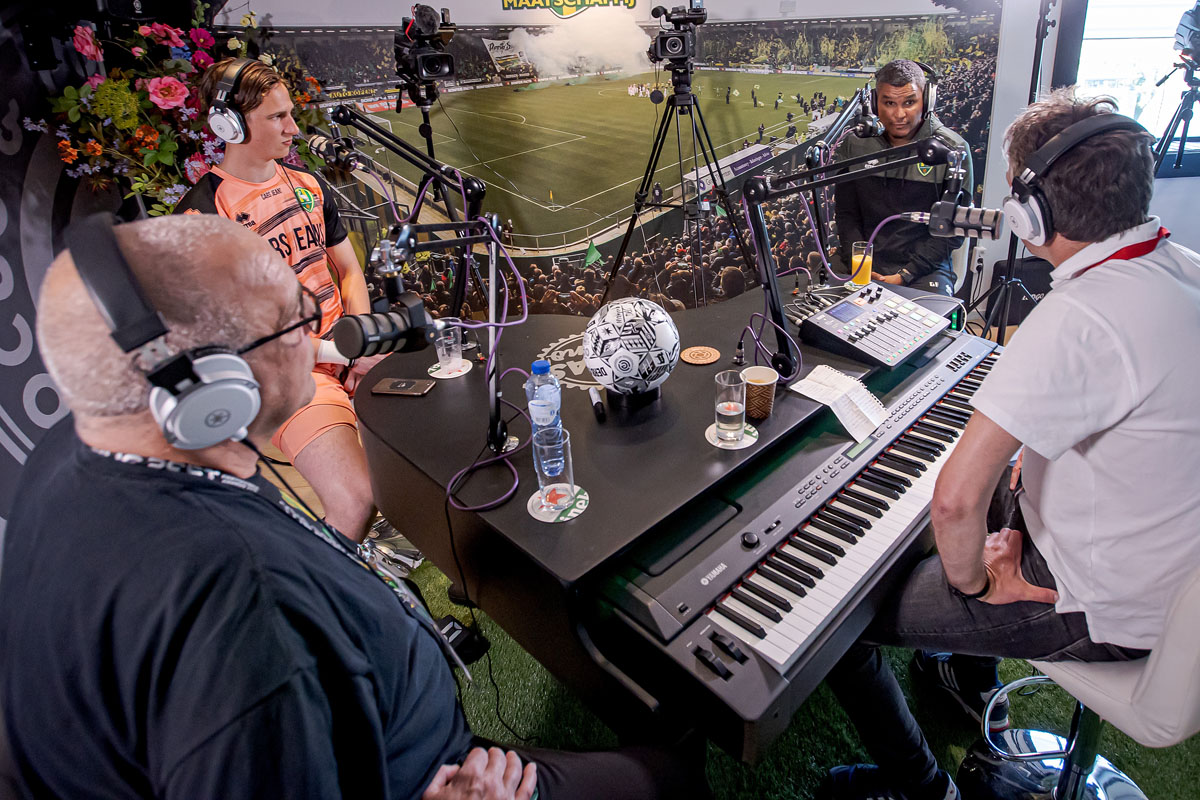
329, 408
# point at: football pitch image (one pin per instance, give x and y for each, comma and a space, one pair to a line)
563, 159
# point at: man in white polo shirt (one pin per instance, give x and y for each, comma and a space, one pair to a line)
1095, 387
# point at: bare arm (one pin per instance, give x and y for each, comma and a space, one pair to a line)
351, 282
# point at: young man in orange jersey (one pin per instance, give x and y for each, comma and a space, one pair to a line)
293, 210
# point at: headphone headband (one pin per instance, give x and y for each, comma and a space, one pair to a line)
225, 95
1040, 161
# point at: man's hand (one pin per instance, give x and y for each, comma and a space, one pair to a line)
879, 277
1002, 559
490, 774
360, 368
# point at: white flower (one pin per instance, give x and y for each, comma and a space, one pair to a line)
234, 44
267, 59
249, 21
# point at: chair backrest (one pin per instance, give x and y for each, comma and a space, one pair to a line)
1167, 695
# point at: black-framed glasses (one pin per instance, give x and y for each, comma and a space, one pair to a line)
310, 320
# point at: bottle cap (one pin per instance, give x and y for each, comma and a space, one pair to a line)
540, 367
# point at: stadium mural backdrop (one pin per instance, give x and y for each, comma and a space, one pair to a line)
549, 107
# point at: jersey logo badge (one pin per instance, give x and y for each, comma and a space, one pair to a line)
924, 169
307, 200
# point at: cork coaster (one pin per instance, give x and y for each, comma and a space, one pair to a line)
700, 355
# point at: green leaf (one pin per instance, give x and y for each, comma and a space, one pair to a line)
149, 158
71, 92
73, 114
166, 158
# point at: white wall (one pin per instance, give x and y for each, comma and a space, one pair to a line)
1175, 202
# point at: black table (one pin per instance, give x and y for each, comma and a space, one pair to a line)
639, 468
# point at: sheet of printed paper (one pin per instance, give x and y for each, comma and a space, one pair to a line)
859, 411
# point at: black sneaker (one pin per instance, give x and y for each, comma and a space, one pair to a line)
938, 669
868, 782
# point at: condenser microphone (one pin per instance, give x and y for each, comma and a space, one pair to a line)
336, 152
405, 327
947, 220
868, 124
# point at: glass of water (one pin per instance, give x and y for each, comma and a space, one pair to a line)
448, 344
731, 406
552, 460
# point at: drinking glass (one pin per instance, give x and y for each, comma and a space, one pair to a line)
552, 460
449, 347
860, 270
731, 405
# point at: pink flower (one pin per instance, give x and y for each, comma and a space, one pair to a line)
195, 167
166, 92
86, 44
201, 60
144, 30
165, 34
95, 81
138, 52
201, 37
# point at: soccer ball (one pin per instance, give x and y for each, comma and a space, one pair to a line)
630, 345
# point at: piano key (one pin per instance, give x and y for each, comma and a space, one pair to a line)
925, 429
833, 530
909, 450
779, 579
881, 474
741, 621
792, 630
915, 437
849, 503
769, 649
815, 552
950, 401
791, 565
940, 427
861, 523
766, 594
758, 605
951, 411
819, 541
901, 464
876, 487
794, 559
944, 419
851, 493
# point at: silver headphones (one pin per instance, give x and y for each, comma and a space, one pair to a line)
1027, 210
224, 118
201, 397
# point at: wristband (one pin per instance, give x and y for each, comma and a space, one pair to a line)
327, 353
987, 587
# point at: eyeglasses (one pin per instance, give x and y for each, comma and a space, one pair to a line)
310, 320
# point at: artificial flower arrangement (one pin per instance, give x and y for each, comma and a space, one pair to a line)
140, 125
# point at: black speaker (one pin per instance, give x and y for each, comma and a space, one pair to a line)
1034, 273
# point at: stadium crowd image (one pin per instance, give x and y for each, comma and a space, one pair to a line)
538, 399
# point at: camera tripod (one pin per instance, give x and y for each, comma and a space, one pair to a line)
681, 103
1183, 114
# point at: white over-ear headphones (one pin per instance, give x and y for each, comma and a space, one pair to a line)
224, 118
201, 397
1027, 210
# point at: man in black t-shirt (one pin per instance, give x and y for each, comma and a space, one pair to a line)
172, 626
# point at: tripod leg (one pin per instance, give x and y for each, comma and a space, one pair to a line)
1187, 122
1164, 144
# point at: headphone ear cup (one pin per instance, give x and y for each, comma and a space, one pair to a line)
227, 125
930, 96
1025, 219
219, 408
874, 103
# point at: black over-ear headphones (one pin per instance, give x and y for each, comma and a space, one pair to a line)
201, 397
1027, 209
928, 97
224, 118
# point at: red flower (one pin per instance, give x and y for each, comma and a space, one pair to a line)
166, 92
195, 167
201, 37
85, 43
201, 60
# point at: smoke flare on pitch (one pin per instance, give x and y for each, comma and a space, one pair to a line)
608, 39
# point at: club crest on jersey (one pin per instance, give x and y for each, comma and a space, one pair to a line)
924, 169
307, 200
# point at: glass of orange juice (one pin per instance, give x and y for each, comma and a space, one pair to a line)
860, 266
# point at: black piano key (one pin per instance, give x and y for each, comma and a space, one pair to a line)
779, 579
859, 505
933, 433
865, 499
945, 419
906, 466
768, 595
939, 427
758, 605
816, 541
837, 531
965, 391
970, 383
862, 523
923, 455
877, 473
783, 562
951, 412
914, 438
950, 401
799, 563
877, 487
740, 620
815, 552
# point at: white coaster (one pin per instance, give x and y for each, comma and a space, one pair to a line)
750, 437
436, 371
545, 514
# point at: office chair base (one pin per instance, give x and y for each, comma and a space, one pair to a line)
985, 776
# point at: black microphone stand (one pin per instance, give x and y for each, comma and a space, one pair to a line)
759, 190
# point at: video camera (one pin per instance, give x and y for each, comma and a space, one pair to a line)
678, 45
421, 55
1187, 35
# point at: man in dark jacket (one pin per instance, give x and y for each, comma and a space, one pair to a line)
905, 253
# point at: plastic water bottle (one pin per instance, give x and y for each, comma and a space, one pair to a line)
544, 394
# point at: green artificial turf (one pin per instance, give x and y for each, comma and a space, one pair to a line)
588, 142
534, 703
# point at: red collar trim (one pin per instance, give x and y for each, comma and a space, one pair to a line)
1132, 251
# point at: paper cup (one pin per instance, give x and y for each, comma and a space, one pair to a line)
760, 391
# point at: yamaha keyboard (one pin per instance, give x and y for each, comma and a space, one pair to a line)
736, 609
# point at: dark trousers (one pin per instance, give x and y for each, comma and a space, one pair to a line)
935, 283
626, 773
925, 615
